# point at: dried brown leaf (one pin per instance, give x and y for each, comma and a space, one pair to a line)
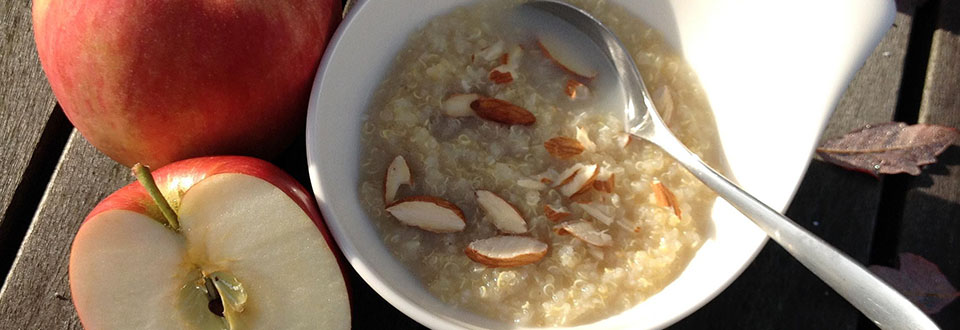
920, 281
889, 148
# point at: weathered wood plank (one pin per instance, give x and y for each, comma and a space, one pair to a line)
930, 222
30, 145
36, 293
23, 90
776, 290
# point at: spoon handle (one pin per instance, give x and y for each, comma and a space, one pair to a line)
878, 301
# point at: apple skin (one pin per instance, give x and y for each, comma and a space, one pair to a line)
178, 177
159, 81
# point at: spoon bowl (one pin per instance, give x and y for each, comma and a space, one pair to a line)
886, 307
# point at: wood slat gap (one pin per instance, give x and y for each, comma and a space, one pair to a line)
915, 64
27, 196
883, 249
893, 191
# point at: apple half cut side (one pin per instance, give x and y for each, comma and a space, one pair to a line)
241, 239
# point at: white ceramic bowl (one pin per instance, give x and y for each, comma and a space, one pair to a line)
773, 71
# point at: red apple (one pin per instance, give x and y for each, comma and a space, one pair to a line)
244, 237
159, 81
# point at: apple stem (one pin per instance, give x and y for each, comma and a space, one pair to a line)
142, 172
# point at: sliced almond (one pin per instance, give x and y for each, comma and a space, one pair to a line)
501, 75
623, 140
596, 213
664, 197
506, 251
604, 181
502, 111
581, 181
566, 57
503, 214
584, 139
428, 213
555, 214
585, 232
567, 175
583, 196
458, 105
605, 185
563, 147
576, 90
492, 52
605, 173
531, 184
398, 173
506, 72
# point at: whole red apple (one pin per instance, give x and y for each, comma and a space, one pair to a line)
155, 81
243, 246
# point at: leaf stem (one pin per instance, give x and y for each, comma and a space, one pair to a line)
146, 179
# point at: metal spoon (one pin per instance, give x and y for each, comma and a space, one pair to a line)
878, 301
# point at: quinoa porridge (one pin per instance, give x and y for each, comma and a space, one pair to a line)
493, 168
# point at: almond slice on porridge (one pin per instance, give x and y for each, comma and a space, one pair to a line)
506, 72
458, 105
664, 197
576, 90
604, 185
502, 111
604, 181
582, 180
506, 251
503, 214
624, 139
555, 214
398, 173
563, 147
584, 139
567, 175
428, 213
586, 232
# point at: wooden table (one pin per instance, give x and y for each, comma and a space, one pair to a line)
50, 177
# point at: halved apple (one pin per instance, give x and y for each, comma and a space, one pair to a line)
247, 250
